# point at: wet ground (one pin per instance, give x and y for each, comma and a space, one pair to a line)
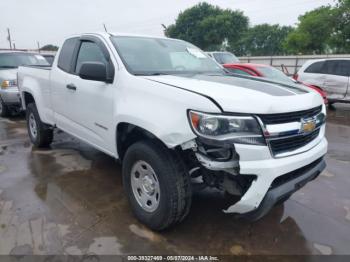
69, 200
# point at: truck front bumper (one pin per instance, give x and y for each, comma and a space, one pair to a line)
281, 190
10, 96
277, 178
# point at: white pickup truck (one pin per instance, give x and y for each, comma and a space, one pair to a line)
178, 122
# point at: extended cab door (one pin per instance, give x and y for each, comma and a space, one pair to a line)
88, 105
337, 78
60, 74
91, 103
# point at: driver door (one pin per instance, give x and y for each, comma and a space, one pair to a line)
91, 102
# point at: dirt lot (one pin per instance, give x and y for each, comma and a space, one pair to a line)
69, 200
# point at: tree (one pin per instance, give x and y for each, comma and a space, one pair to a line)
49, 48
209, 26
340, 39
313, 33
263, 39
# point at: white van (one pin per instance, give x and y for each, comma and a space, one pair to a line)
331, 75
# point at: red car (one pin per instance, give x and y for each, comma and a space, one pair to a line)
268, 72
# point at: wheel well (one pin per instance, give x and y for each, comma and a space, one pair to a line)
28, 98
128, 134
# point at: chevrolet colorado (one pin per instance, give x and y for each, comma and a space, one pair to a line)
177, 121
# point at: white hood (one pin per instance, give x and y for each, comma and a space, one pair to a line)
246, 95
8, 74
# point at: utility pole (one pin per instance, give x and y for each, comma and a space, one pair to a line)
105, 28
37, 42
9, 37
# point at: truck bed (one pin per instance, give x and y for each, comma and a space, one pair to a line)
36, 79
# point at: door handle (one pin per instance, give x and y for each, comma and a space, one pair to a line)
71, 87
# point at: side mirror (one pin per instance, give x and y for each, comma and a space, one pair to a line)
93, 71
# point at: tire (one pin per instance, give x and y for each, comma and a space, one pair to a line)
169, 171
4, 110
39, 133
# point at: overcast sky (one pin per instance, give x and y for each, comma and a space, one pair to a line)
49, 22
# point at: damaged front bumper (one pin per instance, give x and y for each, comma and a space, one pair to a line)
282, 189
263, 192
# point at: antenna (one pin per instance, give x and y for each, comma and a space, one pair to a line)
105, 28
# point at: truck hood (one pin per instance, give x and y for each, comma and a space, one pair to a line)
245, 94
8, 74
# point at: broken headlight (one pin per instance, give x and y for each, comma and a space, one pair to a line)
235, 129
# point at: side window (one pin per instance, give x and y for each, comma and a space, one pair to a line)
337, 67
343, 68
89, 52
315, 68
66, 54
347, 67
217, 57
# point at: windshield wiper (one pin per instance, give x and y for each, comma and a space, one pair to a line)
152, 74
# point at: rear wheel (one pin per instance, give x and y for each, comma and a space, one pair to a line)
40, 133
4, 110
157, 184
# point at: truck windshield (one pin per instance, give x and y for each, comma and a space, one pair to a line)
14, 60
156, 56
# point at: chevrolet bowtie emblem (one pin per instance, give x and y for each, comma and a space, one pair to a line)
308, 126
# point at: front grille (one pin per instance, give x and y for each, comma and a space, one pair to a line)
288, 144
270, 119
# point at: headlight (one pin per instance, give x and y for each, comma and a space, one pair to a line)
236, 129
8, 83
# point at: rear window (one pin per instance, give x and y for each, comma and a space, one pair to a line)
66, 54
14, 60
239, 71
315, 68
275, 75
49, 59
225, 58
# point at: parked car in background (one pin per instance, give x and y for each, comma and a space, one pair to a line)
49, 58
170, 113
331, 75
9, 63
269, 72
223, 57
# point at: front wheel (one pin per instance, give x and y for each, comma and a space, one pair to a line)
39, 133
157, 184
4, 110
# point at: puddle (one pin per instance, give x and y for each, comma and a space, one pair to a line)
69, 159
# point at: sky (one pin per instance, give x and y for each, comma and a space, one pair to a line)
50, 21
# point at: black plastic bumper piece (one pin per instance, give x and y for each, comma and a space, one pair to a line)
283, 191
